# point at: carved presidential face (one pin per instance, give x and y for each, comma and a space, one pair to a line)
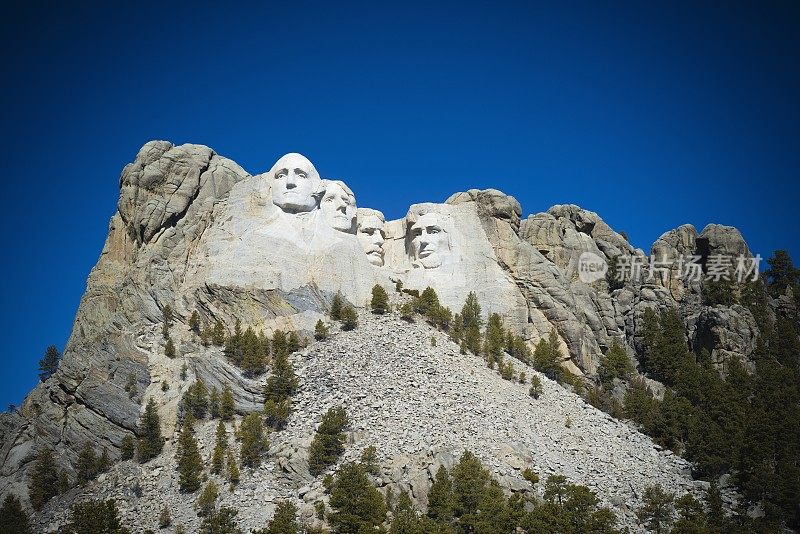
338, 206
372, 237
430, 243
294, 182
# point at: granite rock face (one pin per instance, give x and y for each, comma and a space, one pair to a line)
195, 231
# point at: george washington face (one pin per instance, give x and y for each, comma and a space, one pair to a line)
294, 181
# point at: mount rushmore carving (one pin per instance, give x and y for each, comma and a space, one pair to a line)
195, 231
297, 188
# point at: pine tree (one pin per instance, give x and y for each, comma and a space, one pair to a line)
471, 324
168, 314
441, 317
87, 464
194, 322
253, 361
128, 447
254, 442
650, 334
283, 521
168, 318
639, 403
440, 497
614, 278
720, 291
380, 300
321, 331
614, 364
234, 345
357, 505
282, 383
150, 442
495, 337
782, 274
328, 442
13, 518
277, 413
49, 363
667, 347
218, 333
233, 468
184, 369
428, 303
195, 400
457, 331
169, 349
547, 357
294, 342
213, 403
280, 344
492, 514
63, 481
222, 521
406, 521
165, 518
336, 307
656, 511
469, 484
218, 457
94, 516
407, 311
369, 460
208, 499
227, 405
190, 463
349, 318
691, 516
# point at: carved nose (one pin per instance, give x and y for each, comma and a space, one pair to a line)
290, 182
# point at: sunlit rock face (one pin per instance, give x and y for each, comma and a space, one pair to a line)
371, 234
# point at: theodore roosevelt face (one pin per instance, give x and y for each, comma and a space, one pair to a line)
372, 237
338, 206
294, 182
430, 244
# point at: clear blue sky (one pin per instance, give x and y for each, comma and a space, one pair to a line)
652, 114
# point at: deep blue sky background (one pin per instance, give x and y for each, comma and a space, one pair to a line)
652, 114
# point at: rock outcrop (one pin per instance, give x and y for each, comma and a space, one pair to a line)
195, 231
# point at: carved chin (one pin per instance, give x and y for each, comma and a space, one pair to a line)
293, 203
375, 258
431, 261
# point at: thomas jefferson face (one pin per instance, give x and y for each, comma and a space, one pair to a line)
294, 181
371, 236
339, 207
430, 243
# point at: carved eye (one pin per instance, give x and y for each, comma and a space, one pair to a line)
300, 174
433, 230
280, 175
